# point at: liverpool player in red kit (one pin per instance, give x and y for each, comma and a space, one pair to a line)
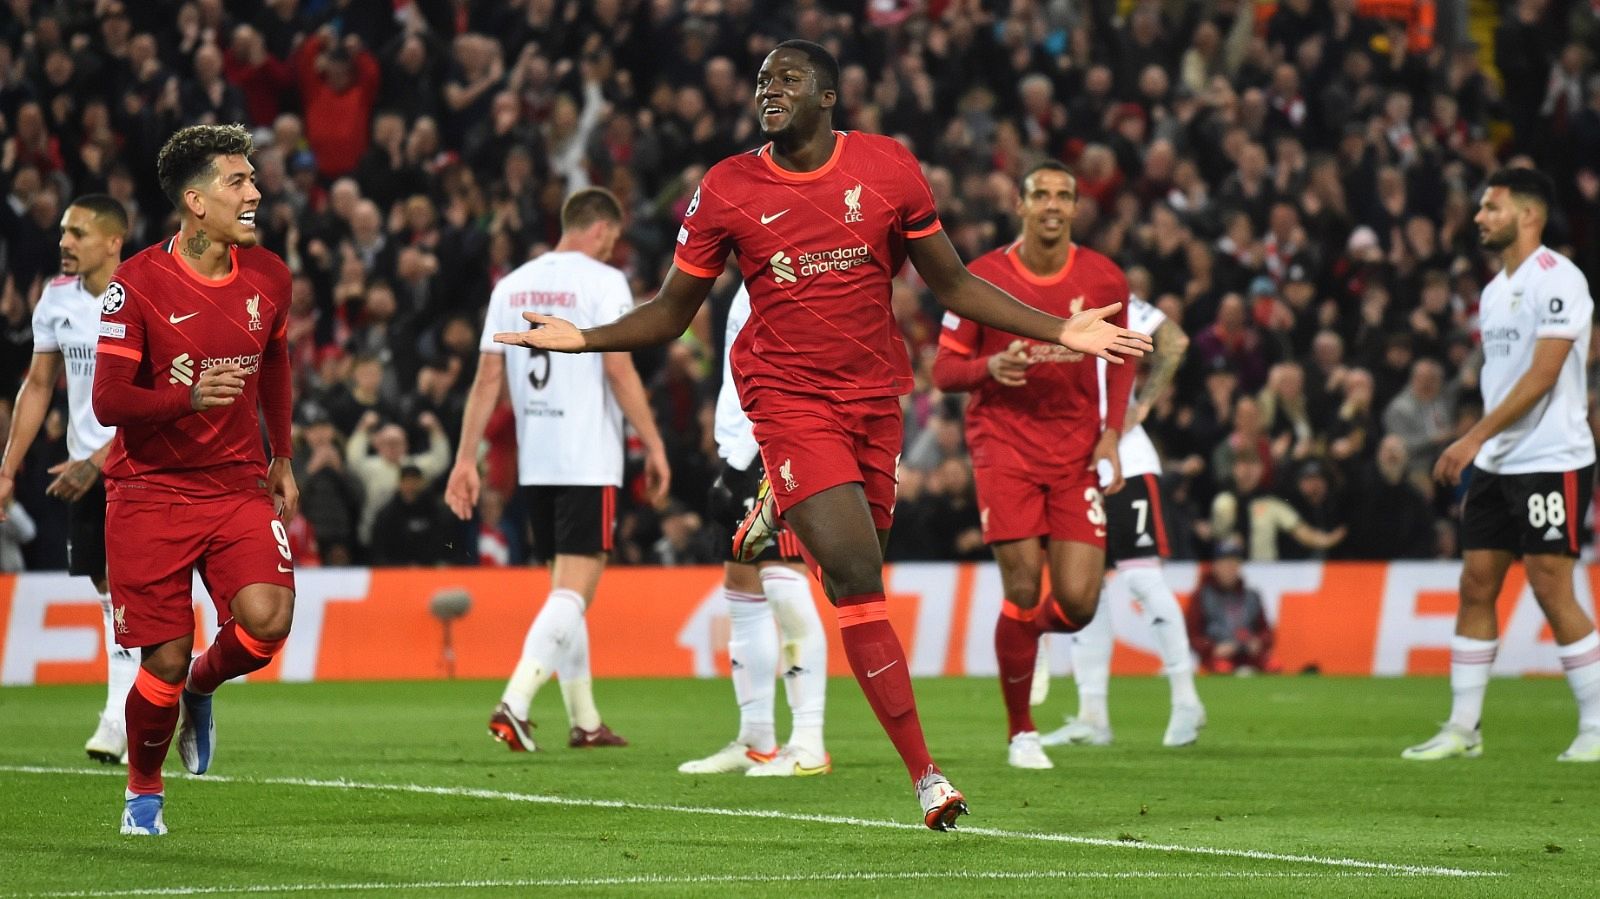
191, 345
1034, 428
821, 221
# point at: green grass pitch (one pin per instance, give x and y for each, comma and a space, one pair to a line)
394, 789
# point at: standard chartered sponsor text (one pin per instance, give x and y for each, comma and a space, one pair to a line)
834, 260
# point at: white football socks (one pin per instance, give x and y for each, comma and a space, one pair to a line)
805, 653
577, 687
122, 666
1161, 612
1582, 663
1091, 664
543, 649
753, 656
1470, 661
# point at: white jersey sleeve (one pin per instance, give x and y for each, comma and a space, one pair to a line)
1135, 450
569, 425
736, 437
67, 321
1547, 297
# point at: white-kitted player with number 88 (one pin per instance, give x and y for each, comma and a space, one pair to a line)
1532, 464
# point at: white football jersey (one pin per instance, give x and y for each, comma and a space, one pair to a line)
1547, 296
67, 321
1137, 453
569, 426
736, 436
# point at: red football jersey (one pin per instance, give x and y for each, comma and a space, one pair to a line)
1053, 419
175, 324
817, 251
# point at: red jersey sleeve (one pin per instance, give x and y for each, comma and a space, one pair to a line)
918, 215
703, 239
277, 395
117, 399
957, 367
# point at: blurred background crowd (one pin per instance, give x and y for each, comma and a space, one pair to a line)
1292, 181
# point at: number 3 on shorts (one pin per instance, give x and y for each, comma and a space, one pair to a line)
1097, 509
282, 536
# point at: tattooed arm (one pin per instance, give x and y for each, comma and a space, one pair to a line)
1171, 344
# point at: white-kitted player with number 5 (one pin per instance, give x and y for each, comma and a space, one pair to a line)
1532, 463
569, 411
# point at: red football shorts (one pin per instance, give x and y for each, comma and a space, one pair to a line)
1015, 504
154, 549
811, 443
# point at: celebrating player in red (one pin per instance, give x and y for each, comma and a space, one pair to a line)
1034, 427
192, 342
821, 221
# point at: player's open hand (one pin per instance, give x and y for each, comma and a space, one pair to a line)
281, 487
1010, 366
1089, 333
73, 479
1454, 460
461, 491
218, 385
548, 333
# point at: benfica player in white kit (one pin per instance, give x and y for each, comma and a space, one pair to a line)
569, 412
1532, 464
774, 586
66, 327
1136, 542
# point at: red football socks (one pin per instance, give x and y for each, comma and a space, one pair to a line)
232, 654
152, 717
1016, 647
1049, 616
880, 667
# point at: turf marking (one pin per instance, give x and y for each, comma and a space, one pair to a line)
709, 880
770, 814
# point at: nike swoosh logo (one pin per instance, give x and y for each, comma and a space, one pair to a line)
283, 570
1018, 680
156, 743
769, 219
883, 669
175, 318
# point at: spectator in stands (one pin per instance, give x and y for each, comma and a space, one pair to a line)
1390, 519
331, 500
1263, 522
1228, 624
379, 472
414, 527
338, 81
1423, 415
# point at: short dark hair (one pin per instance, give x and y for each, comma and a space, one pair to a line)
587, 206
1526, 184
106, 210
191, 154
822, 61
1049, 165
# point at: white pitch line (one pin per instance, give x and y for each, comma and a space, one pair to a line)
770, 814
703, 880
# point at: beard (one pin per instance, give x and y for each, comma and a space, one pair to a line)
1499, 240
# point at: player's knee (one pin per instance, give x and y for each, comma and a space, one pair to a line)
855, 577
1023, 595
1078, 603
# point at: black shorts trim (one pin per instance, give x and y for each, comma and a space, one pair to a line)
86, 533
578, 520
730, 499
1539, 513
1135, 527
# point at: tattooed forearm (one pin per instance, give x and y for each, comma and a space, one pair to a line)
196, 246
1170, 343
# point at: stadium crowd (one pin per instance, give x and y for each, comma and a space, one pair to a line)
1295, 182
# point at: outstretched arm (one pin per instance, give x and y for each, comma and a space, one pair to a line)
664, 317
972, 297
